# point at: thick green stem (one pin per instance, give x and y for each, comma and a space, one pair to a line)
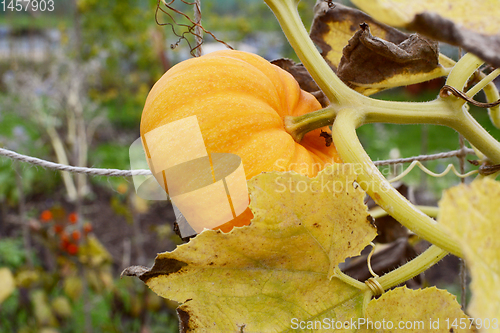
289, 19
375, 184
431, 211
466, 125
464, 68
448, 111
411, 269
298, 126
436, 112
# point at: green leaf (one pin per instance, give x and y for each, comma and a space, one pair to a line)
470, 214
259, 278
472, 25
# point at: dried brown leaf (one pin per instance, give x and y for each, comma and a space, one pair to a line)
389, 58
368, 59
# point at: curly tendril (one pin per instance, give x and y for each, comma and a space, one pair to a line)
194, 28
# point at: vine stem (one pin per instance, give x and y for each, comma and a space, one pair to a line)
198, 32
428, 210
349, 117
377, 186
420, 264
459, 75
337, 273
412, 268
485, 81
351, 110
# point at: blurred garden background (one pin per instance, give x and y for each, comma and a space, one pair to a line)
73, 83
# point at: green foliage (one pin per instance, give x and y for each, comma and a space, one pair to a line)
18, 134
12, 253
125, 38
40, 301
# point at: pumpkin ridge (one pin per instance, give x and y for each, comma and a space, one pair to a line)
264, 62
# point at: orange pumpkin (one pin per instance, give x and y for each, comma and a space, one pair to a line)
240, 101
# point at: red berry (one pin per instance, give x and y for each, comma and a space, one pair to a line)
46, 216
72, 249
63, 245
76, 235
58, 228
73, 218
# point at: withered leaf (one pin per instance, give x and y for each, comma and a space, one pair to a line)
486, 47
368, 59
333, 28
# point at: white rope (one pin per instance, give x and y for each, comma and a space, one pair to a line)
89, 171
453, 153
144, 172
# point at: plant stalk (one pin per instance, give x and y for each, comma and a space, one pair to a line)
300, 125
411, 269
376, 185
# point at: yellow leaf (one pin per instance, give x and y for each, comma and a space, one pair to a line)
61, 307
73, 287
423, 310
326, 210
7, 283
479, 15
472, 216
276, 272
41, 308
472, 25
93, 253
27, 278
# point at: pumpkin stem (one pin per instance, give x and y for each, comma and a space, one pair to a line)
298, 126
